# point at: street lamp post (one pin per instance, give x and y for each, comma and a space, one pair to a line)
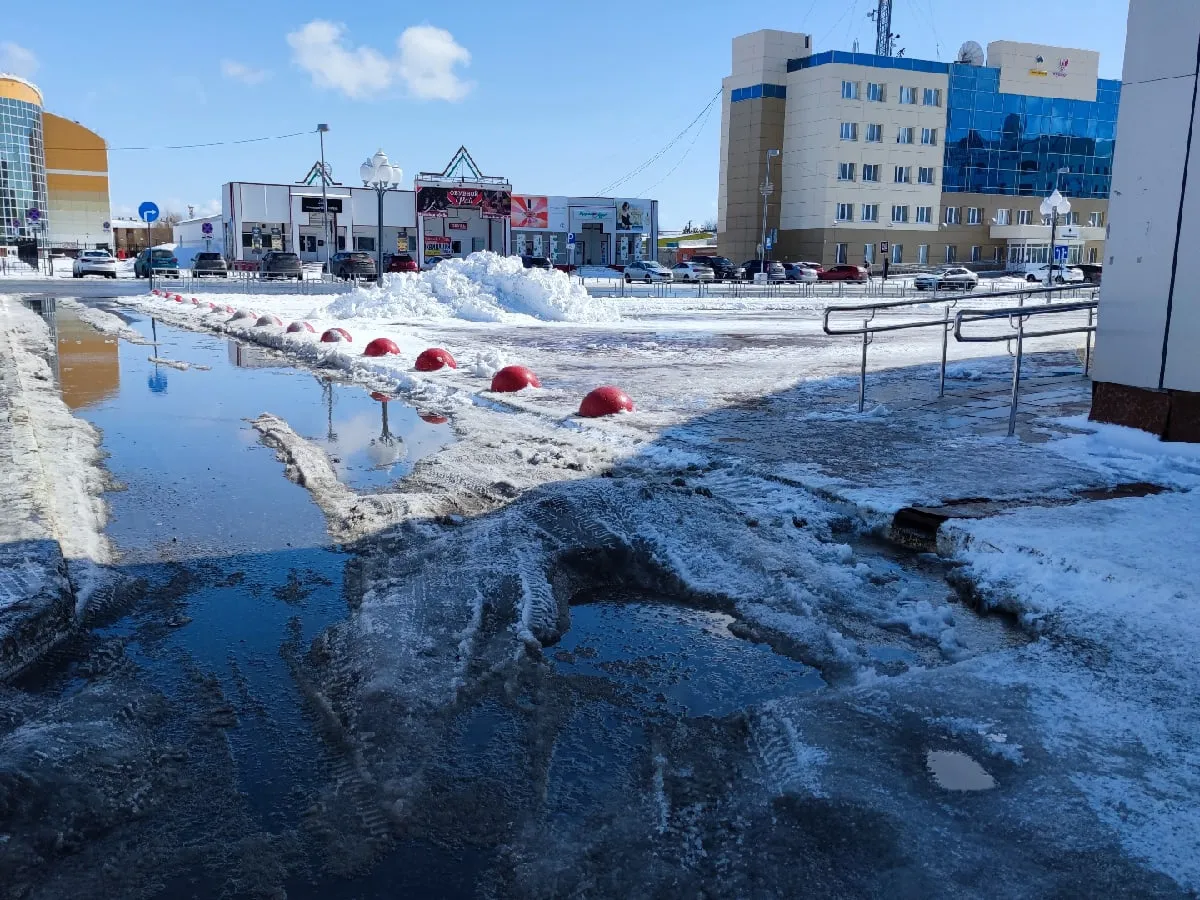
321, 129
1052, 206
766, 190
378, 173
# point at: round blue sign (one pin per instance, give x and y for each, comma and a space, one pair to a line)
33, 214
207, 228
148, 211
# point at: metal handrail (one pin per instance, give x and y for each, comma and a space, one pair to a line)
867, 330
1016, 316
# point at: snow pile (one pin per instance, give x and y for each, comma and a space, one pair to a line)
483, 287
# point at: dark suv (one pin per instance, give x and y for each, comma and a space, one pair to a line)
209, 264
723, 268
352, 264
278, 264
536, 262
774, 269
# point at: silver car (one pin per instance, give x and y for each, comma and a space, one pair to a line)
94, 262
647, 270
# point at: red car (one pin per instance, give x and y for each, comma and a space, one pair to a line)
845, 273
402, 262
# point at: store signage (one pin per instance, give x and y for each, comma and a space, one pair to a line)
401, 243
435, 202
594, 215
457, 226
436, 245
530, 212
313, 204
1039, 68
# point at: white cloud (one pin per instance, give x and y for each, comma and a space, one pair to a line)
427, 60
17, 60
239, 71
425, 63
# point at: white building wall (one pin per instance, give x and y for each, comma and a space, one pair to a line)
813, 148
1148, 173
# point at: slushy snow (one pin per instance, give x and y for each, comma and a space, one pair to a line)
483, 287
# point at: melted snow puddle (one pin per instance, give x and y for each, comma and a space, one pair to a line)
676, 659
954, 771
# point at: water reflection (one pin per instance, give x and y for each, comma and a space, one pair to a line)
88, 367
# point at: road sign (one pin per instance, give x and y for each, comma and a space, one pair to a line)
774, 235
570, 238
33, 214
206, 228
148, 212
1060, 254
770, 243
883, 246
108, 226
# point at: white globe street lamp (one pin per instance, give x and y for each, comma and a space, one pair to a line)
1053, 205
379, 173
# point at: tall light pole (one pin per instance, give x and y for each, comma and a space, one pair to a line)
321, 129
378, 173
1052, 206
766, 190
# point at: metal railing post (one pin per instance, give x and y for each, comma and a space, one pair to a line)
945, 347
862, 377
1087, 351
1016, 381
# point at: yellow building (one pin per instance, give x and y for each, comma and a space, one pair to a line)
53, 176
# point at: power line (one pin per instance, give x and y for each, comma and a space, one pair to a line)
671, 171
657, 156
256, 140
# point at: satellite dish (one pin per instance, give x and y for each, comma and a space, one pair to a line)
970, 54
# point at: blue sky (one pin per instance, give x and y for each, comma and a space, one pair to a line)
560, 98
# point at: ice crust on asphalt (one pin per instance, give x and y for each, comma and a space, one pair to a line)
483, 287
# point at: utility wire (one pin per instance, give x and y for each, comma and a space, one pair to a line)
275, 137
646, 192
657, 156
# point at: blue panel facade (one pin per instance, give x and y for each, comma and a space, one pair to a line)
757, 92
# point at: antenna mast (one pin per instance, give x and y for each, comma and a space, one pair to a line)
885, 41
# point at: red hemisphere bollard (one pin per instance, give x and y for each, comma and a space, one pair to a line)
300, 326
511, 379
268, 319
196, 301
433, 359
380, 347
178, 299
605, 401
335, 336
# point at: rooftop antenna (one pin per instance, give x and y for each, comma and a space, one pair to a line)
885, 39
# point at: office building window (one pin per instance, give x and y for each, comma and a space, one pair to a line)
869, 254
875, 133
845, 212
923, 254
1045, 220
897, 254
903, 174
976, 254
849, 131
870, 212
905, 136
932, 97
951, 253
841, 253
1093, 254
876, 91
870, 173
953, 215
849, 90
1096, 220
1024, 216
1004, 217
1071, 218
845, 171
925, 175
929, 137
899, 213
974, 215
924, 215
908, 95
997, 254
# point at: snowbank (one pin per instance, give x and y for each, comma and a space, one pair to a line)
483, 287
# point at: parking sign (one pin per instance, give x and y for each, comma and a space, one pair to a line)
570, 237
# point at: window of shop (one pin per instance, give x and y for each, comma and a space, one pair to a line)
951, 253
364, 243
923, 254
897, 254
841, 253
976, 254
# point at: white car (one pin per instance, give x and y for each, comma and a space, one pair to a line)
647, 271
94, 262
1039, 271
953, 278
691, 271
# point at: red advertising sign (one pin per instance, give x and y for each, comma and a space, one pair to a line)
436, 245
457, 226
530, 212
464, 197
436, 202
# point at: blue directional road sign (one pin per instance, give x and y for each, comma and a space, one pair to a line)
1060, 254
770, 242
570, 237
148, 211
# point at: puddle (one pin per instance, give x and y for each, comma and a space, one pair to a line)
954, 771
675, 659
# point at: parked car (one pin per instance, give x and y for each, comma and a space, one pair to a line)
163, 262
954, 278
691, 271
798, 272
723, 268
352, 265
647, 270
861, 274
815, 266
94, 262
433, 261
209, 264
1062, 275
536, 262
281, 264
774, 269
401, 262
1093, 272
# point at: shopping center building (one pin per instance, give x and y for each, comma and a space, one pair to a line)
53, 177
928, 162
447, 213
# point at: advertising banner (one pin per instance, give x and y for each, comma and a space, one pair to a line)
436, 245
633, 215
436, 202
433, 203
495, 204
530, 212
457, 226
401, 243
